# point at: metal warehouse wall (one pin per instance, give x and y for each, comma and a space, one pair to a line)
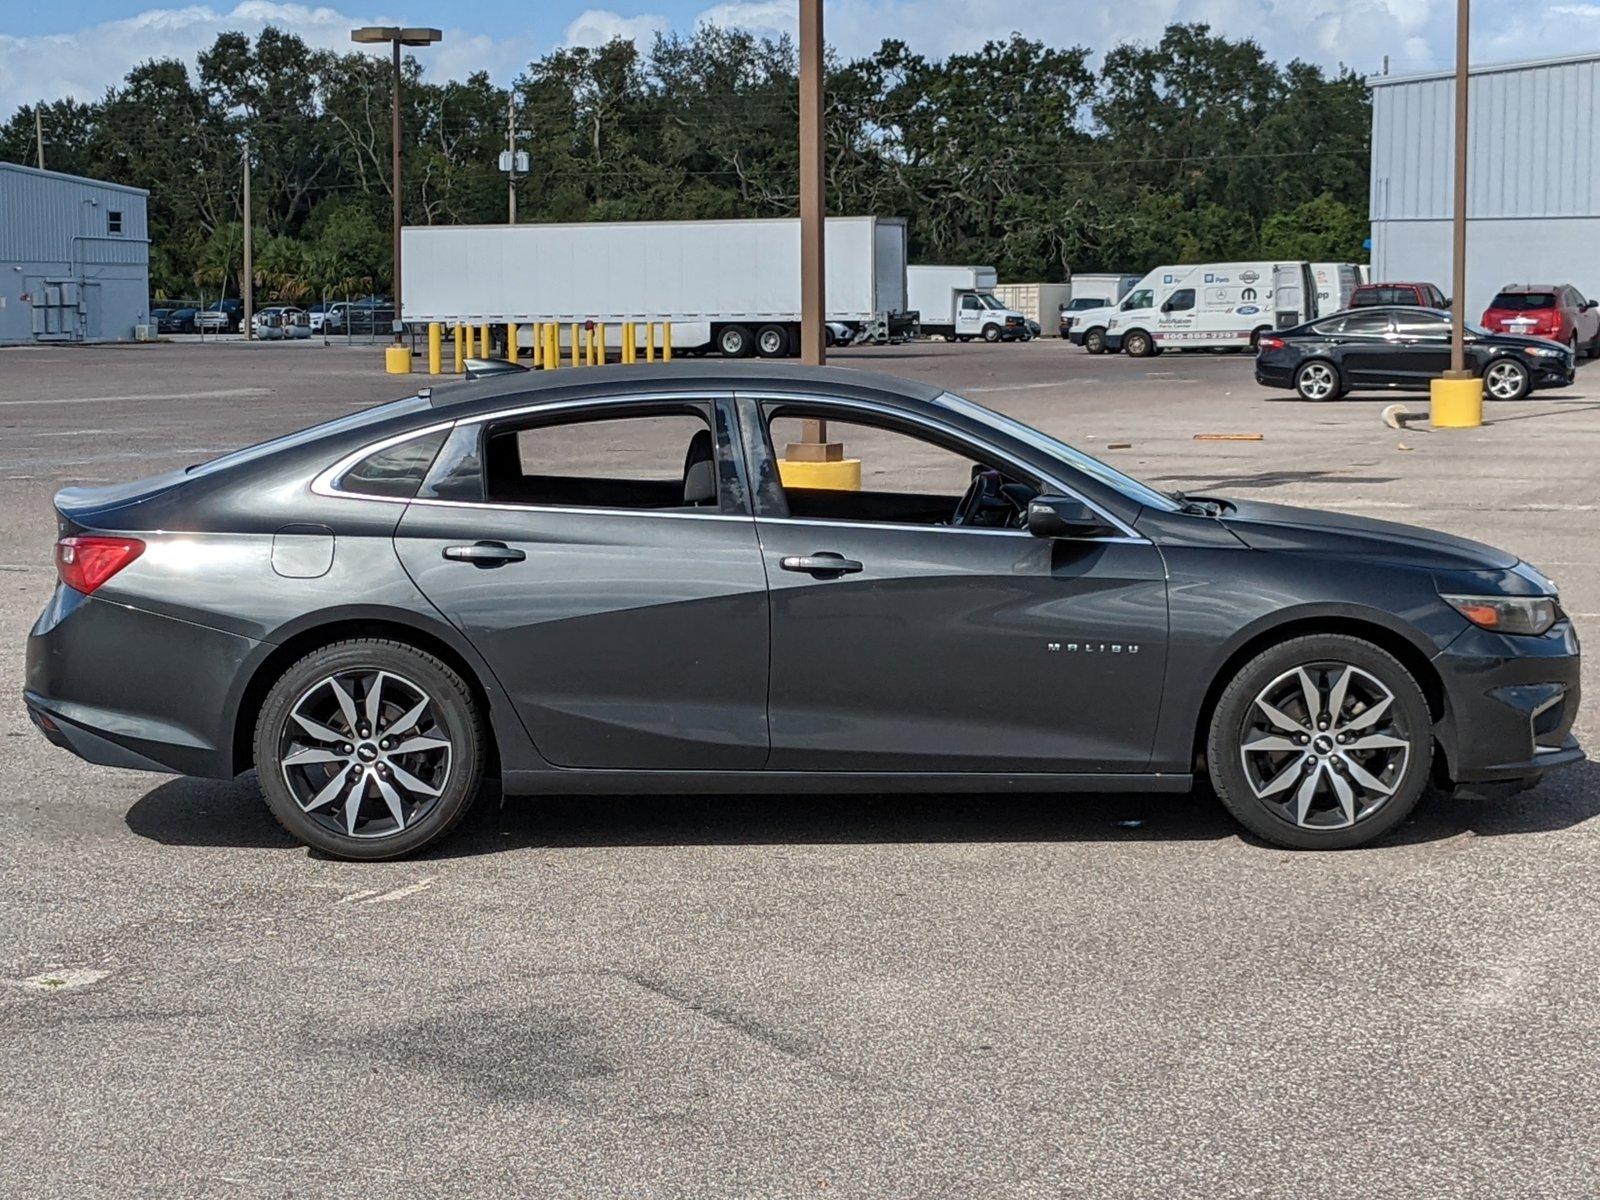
1533, 176
65, 274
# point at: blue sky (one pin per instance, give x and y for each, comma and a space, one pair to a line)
78, 47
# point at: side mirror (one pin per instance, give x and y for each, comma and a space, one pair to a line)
1448, 302
1064, 517
1588, 304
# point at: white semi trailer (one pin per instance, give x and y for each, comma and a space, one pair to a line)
959, 302
730, 287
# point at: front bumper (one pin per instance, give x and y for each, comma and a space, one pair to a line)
122, 687
1510, 703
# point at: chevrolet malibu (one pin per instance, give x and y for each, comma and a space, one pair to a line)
737, 578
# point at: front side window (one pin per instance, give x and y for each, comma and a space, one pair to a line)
659, 460
970, 304
1143, 298
906, 478
1421, 326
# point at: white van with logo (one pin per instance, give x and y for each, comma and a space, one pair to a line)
1212, 306
1336, 283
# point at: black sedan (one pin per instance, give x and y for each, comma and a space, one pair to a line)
630, 579
1403, 348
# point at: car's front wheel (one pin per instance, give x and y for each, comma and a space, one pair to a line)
1507, 379
369, 749
1318, 380
1095, 341
1321, 742
1138, 344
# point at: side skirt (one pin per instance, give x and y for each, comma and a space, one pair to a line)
577, 782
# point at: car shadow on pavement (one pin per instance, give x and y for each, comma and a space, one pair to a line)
197, 812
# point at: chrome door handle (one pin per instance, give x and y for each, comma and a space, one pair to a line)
822, 563
484, 554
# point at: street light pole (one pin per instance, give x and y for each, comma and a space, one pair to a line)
396, 37
813, 281
1457, 397
247, 283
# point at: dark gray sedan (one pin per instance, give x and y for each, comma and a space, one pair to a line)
740, 577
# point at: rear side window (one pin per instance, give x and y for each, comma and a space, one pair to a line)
1366, 324
395, 472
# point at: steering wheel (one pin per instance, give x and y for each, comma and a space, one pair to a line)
992, 503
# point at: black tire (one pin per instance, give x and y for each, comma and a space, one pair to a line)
1272, 810
1137, 343
991, 333
734, 341
1506, 378
451, 716
1318, 381
1094, 341
772, 341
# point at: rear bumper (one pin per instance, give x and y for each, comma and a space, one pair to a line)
122, 687
1270, 374
1510, 705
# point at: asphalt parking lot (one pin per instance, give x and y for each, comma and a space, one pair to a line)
914, 996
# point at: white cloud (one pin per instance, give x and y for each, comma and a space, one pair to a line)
597, 26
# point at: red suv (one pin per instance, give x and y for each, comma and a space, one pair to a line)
1555, 311
1419, 295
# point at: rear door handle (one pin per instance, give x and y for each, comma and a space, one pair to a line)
822, 563
484, 554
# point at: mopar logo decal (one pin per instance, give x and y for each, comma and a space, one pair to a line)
1247, 294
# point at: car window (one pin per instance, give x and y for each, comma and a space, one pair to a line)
1523, 301
1421, 325
395, 471
1084, 303
1143, 298
970, 304
660, 460
1180, 301
1364, 324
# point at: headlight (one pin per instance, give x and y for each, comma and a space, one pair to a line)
1530, 615
1545, 352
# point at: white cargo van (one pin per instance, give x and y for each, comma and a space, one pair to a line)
1093, 301
1336, 282
1211, 306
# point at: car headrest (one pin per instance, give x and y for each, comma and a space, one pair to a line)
699, 471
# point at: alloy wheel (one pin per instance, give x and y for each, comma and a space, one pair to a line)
1324, 745
1504, 381
1317, 381
364, 753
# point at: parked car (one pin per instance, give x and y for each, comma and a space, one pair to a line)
1419, 295
372, 315
161, 318
1403, 348
225, 316
1555, 311
995, 610
1077, 306
1087, 327
316, 315
180, 320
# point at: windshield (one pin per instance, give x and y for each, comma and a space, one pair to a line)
990, 302
1084, 303
1139, 493
1523, 301
355, 420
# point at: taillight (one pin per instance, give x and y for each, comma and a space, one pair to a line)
1270, 343
85, 562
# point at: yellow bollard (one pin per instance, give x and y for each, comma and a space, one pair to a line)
666, 341
575, 361
537, 330
649, 341
397, 360
461, 348
600, 344
1456, 403
511, 342
628, 346
483, 341
552, 346
435, 348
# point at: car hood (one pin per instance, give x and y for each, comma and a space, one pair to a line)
1313, 531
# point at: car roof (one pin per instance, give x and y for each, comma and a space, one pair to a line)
1393, 284
1522, 289
471, 396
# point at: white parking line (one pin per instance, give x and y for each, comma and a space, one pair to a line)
1025, 387
219, 394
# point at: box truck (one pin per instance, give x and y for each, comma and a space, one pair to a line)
959, 303
1211, 306
729, 287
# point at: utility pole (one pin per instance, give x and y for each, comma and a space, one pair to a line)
511, 145
813, 285
38, 131
247, 281
1457, 398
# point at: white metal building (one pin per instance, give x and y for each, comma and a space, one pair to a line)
74, 258
1533, 171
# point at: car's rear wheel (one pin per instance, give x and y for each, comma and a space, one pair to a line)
1506, 379
369, 749
1139, 344
1321, 742
1095, 341
1318, 380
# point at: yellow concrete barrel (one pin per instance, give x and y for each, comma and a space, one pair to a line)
397, 360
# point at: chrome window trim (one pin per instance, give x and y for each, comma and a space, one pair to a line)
587, 511
1117, 540
322, 485
1129, 534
